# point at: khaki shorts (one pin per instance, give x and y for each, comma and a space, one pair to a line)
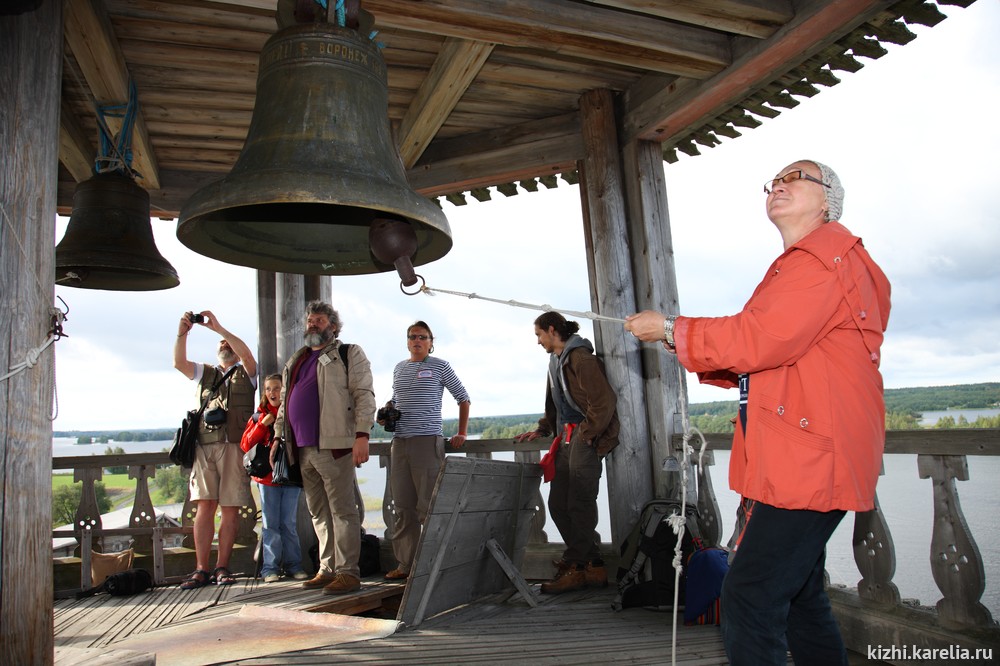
218, 474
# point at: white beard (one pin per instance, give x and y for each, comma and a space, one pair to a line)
227, 357
318, 339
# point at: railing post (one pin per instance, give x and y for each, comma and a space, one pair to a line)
142, 514
875, 555
537, 533
955, 560
88, 515
709, 515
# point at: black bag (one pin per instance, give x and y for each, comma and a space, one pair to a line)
284, 473
645, 571
370, 561
130, 581
256, 461
185, 439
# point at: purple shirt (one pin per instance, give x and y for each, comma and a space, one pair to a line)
302, 409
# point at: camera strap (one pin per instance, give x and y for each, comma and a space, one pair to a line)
215, 388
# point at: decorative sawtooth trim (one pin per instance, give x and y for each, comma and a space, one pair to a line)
550, 181
889, 26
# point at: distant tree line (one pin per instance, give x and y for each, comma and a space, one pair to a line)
904, 408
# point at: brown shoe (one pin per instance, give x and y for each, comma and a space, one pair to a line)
570, 580
596, 575
318, 581
397, 574
342, 584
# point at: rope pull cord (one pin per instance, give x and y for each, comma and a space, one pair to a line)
115, 155
424, 289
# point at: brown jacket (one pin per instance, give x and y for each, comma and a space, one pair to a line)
589, 388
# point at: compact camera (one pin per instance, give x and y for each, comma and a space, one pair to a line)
215, 417
197, 318
388, 416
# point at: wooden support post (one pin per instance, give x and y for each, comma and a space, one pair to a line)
290, 308
267, 331
655, 289
613, 294
31, 47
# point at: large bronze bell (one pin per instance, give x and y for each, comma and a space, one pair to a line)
109, 240
318, 167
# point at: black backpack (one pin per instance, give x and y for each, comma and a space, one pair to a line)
370, 561
122, 584
645, 569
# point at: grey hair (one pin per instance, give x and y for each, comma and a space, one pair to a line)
834, 193
321, 308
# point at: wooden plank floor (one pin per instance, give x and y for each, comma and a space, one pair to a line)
574, 628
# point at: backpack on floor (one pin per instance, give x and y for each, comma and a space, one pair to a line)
370, 561
645, 568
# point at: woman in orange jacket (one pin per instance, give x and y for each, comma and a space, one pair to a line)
804, 353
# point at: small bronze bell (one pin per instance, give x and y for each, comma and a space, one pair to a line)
318, 167
109, 239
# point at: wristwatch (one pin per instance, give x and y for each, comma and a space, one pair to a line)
668, 330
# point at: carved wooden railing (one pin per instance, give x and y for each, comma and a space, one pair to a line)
147, 537
956, 563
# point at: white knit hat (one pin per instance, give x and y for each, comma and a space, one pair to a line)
834, 193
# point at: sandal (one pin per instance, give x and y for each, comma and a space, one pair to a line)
200, 578
222, 576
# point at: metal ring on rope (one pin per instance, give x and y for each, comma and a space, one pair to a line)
423, 284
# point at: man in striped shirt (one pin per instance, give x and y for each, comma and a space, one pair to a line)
417, 455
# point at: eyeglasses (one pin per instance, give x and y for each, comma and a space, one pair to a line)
418, 337
791, 177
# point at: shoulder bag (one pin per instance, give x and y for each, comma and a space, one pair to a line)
186, 437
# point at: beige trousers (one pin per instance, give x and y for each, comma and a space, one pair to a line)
329, 486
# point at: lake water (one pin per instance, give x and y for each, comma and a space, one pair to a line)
931, 418
906, 501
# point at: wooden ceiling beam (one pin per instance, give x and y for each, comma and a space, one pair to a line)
680, 108
76, 152
751, 18
456, 67
91, 38
566, 27
540, 148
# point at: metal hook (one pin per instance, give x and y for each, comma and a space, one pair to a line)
423, 285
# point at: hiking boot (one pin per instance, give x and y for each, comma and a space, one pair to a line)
318, 581
596, 574
566, 581
342, 584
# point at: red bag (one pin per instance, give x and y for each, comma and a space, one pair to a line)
548, 461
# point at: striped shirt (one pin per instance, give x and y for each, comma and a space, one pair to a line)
417, 389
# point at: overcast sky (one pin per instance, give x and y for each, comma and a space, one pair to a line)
913, 136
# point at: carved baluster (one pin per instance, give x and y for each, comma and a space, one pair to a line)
875, 555
388, 513
247, 514
955, 560
88, 516
142, 508
188, 511
537, 533
709, 515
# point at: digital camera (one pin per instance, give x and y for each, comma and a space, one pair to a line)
197, 318
388, 416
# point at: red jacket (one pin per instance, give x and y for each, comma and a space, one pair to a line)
810, 339
257, 433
